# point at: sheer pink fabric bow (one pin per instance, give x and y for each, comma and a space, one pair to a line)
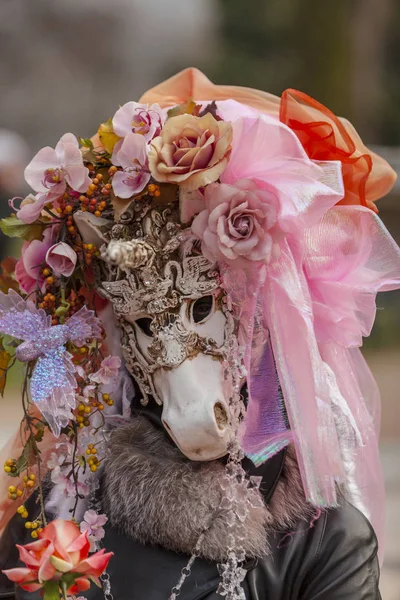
315, 300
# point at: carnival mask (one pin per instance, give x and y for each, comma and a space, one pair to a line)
178, 334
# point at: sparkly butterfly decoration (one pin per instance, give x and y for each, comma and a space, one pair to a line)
53, 381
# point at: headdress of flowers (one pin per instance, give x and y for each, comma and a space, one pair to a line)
256, 191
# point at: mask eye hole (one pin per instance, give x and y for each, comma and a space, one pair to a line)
202, 308
144, 325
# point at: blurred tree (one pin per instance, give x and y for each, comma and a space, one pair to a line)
391, 108
370, 39
287, 43
320, 38
345, 53
253, 51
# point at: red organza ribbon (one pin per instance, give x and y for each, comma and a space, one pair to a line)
325, 137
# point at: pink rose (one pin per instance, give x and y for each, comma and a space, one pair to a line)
28, 268
239, 222
61, 551
61, 259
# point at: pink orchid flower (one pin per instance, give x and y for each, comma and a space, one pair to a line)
109, 369
31, 207
145, 120
132, 157
60, 550
55, 461
88, 391
61, 258
93, 524
51, 169
28, 268
65, 485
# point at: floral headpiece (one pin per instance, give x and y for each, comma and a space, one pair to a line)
279, 195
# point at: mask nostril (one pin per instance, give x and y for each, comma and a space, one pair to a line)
221, 415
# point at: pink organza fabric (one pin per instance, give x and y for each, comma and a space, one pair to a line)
310, 309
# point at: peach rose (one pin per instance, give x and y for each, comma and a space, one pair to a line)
60, 557
191, 151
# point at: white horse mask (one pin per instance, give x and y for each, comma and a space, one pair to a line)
179, 338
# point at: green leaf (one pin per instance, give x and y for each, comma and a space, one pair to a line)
5, 358
10, 341
13, 227
52, 590
68, 579
28, 456
8, 265
21, 464
187, 108
86, 142
107, 136
39, 435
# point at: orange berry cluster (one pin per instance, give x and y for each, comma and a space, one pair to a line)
14, 492
36, 526
67, 204
75, 301
154, 190
30, 480
49, 279
21, 510
10, 466
70, 219
96, 196
90, 250
84, 412
107, 399
48, 301
93, 461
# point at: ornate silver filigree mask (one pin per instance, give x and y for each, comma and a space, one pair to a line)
178, 335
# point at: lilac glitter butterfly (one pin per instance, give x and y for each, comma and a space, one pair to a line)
53, 382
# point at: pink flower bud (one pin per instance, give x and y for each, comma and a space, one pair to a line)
61, 259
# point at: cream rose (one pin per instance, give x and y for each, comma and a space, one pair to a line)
191, 151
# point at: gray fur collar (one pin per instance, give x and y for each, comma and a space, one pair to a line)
156, 496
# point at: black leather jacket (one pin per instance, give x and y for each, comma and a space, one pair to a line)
335, 559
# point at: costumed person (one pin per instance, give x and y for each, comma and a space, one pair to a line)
190, 301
